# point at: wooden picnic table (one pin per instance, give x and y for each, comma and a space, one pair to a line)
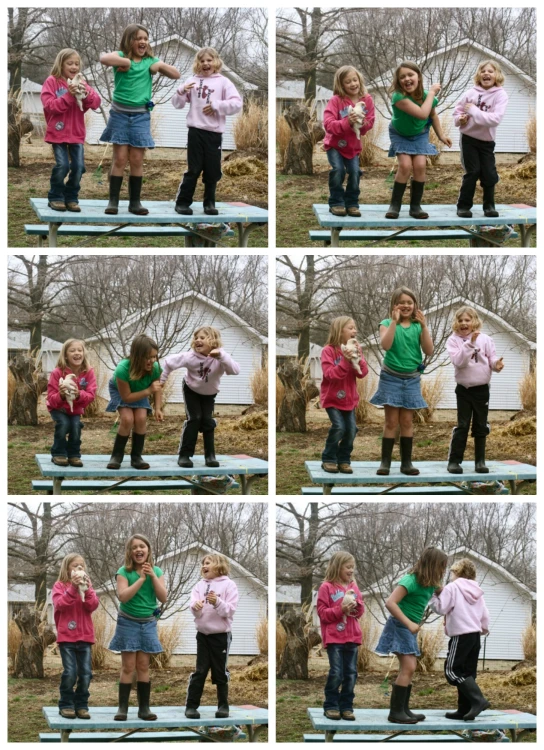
445, 216
375, 720
168, 717
248, 469
245, 217
431, 472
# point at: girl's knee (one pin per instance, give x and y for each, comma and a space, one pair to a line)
126, 422
140, 422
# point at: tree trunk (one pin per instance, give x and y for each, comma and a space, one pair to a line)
36, 636
18, 125
300, 639
29, 384
305, 133
299, 389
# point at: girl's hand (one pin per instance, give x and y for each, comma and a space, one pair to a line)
148, 570
72, 88
395, 315
208, 109
414, 628
348, 606
499, 365
420, 318
353, 118
447, 141
198, 606
439, 590
212, 598
474, 337
188, 87
159, 416
463, 119
155, 387
468, 105
435, 88
215, 353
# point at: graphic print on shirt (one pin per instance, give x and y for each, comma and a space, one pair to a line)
337, 595
203, 372
482, 105
204, 91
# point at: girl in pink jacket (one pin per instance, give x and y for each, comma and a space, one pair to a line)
75, 635
64, 106
211, 98
66, 402
339, 606
466, 618
474, 358
213, 603
345, 126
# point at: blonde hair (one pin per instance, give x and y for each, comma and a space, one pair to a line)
62, 361
129, 562
396, 85
341, 73
129, 35
499, 76
464, 568
335, 331
61, 58
64, 576
397, 294
139, 352
220, 564
471, 312
217, 61
336, 563
430, 568
211, 333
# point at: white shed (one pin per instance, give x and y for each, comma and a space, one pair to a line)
23, 595
191, 310
515, 348
19, 341
520, 87
252, 605
292, 92
287, 349
509, 601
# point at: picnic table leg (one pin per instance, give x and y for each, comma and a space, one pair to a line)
243, 234
526, 233
335, 236
53, 229
253, 732
246, 483
513, 487
57, 487
65, 735
329, 735
327, 489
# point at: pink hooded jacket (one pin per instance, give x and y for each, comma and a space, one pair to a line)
72, 615
339, 384
483, 118
86, 383
329, 609
65, 121
462, 603
215, 618
339, 133
473, 363
215, 90
203, 374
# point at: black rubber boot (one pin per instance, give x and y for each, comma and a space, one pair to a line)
134, 192
144, 712
464, 213
209, 199
489, 202
387, 452
124, 696
184, 462
115, 190
463, 707
397, 714
406, 466
396, 200
118, 452
470, 690
192, 713
209, 449
411, 714
222, 701
184, 209
479, 456
454, 467
136, 460
416, 194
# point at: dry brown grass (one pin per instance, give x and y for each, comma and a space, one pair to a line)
365, 389
169, 636
283, 134
281, 640
530, 129
528, 642
261, 632
432, 391
12, 385
525, 426
257, 420
14, 641
365, 655
527, 390
259, 386
430, 642
96, 407
433, 138
280, 394
103, 631
370, 151
251, 127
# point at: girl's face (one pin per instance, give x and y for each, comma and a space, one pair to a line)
350, 84
76, 562
139, 551
346, 572
349, 331
406, 306
74, 355
208, 569
488, 77
464, 324
70, 67
202, 344
207, 64
408, 80
140, 44
150, 360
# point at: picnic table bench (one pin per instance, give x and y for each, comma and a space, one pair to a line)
431, 473
41, 231
517, 723
246, 468
252, 718
92, 216
445, 216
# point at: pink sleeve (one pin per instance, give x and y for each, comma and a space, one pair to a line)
196, 596
459, 110
492, 118
231, 102
52, 103
181, 97
332, 123
370, 116
226, 604
331, 370
443, 603
88, 395
459, 351
173, 362
485, 618
64, 598
325, 611
230, 367
54, 399
364, 368
92, 100
360, 608
91, 600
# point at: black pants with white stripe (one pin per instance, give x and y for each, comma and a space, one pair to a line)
472, 406
203, 156
462, 659
199, 411
212, 652
478, 161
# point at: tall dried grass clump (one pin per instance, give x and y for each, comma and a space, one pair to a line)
280, 394
283, 135
433, 138
12, 386
365, 654
261, 633
527, 390
259, 386
370, 150
530, 129
365, 389
170, 637
14, 641
528, 643
281, 640
430, 642
432, 391
103, 631
251, 127
96, 407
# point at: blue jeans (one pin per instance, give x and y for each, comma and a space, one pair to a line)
342, 676
68, 158
67, 439
339, 443
76, 660
339, 168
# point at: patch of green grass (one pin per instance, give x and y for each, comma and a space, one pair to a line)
426, 691
161, 688
153, 438
424, 443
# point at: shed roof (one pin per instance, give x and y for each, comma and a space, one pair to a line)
289, 348
21, 340
295, 90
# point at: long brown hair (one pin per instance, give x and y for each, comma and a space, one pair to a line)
335, 331
129, 35
64, 576
129, 562
139, 352
397, 294
396, 86
431, 566
61, 58
337, 561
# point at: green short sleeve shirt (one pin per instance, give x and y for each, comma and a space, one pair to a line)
404, 123
405, 353
144, 603
415, 602
122, 372
133, 86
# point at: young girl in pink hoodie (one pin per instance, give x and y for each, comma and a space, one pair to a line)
213, 603
477, 115
205, 364
474, 358
211, 98
466, 618
75, 635
339, 606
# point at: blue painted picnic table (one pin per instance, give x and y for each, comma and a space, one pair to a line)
431, 472
245, 217
375, 719
439, 216
245, 467
168, 717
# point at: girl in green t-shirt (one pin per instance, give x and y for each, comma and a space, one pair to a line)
412, 114
403, 336
406, 605
134, 380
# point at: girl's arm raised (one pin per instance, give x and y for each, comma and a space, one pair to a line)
490, 118
387, 333
444, 602
459, 351
392, 606
114, 60
158, 583
129, 398
126, 592
413, 109
425, 339
165, 70
173, 362
230, 367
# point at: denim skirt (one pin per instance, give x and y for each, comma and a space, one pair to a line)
129, 129
397, 639
116, 401
411, 144
403, 393
135, 636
